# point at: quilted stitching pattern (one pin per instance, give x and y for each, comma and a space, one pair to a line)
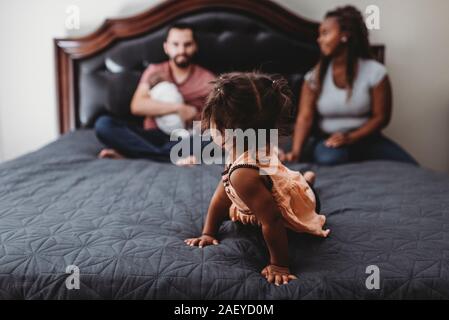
123, 224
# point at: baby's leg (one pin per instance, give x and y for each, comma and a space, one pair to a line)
310, 177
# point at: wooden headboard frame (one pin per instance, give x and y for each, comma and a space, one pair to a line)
68, 50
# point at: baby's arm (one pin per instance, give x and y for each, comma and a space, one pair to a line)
217, 213
253, 192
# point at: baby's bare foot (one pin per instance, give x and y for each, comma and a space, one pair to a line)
310, 177
110, 154
325, 233
318, 227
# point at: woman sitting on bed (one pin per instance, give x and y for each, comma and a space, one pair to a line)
351, 93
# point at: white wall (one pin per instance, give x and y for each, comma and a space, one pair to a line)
414, 32
28, 110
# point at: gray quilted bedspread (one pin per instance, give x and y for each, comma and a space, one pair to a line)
122, 224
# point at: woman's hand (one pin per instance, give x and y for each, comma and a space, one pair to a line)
204, 240
338, 139
289, 156
277, 275
292, 157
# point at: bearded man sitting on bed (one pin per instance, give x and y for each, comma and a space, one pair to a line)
152, 141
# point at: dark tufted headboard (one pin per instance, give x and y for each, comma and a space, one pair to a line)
102, 69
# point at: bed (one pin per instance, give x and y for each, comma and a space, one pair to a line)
122, 222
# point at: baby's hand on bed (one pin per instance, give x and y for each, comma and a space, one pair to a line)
202, 241
277, 275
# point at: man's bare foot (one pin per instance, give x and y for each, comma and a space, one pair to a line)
110, 154
310, 177
187, 161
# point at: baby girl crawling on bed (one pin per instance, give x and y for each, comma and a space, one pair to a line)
256, 188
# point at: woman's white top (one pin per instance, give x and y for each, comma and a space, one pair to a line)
338, 114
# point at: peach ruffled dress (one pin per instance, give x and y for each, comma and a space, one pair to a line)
292, 193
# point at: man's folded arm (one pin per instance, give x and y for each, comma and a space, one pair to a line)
143, 105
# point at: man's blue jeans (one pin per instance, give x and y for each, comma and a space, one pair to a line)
133, 141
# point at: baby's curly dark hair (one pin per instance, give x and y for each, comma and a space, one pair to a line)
249, 100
